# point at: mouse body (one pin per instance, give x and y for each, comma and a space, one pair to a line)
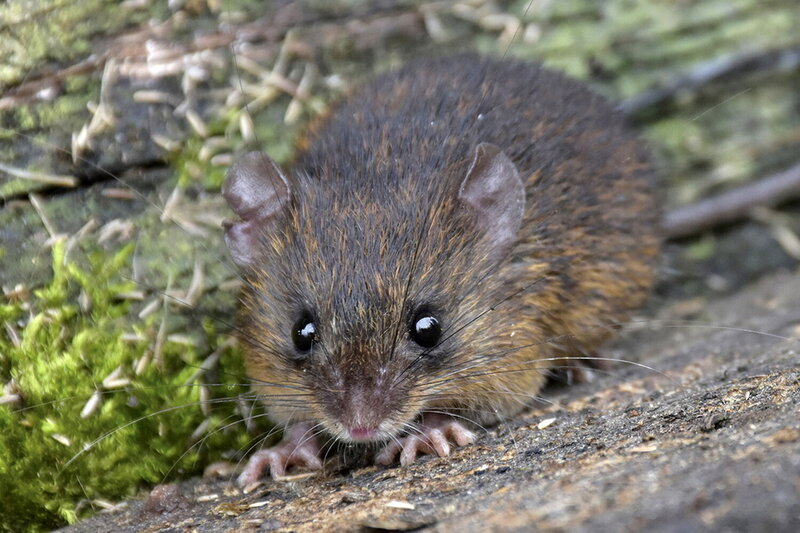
448, 235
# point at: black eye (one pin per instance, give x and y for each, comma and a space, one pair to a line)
426, 330
304, 333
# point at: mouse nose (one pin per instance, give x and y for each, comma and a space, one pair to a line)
360, 423
362, 433
360, 411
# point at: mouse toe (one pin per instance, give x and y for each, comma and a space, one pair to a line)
434, 434
299, 447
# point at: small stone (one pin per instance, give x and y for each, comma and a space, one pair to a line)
164, 499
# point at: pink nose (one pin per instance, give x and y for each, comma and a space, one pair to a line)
362, 433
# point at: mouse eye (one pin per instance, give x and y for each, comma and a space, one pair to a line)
426, 330
304, 333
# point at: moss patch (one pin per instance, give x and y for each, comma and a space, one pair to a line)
68, 338
58, 30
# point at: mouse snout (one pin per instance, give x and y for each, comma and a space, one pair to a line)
359, 407
362, 410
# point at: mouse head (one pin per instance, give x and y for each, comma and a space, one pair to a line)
361, 293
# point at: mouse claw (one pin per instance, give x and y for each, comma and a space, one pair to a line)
582, 369
436, 433
299, 446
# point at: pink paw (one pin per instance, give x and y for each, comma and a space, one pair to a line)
436, 432
299, 446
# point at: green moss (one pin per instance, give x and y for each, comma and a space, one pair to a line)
277, 136
192, 170
702, 249
272, 134
58, 30
141, 432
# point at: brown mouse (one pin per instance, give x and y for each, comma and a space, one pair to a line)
448, 234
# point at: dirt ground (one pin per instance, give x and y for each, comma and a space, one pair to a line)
704, 437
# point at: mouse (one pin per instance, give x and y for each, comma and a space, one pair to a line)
447, 236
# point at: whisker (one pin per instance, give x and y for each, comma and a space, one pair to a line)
328, 447
471, 321
407, 287
107, 434
257, 442
200, 443
466, 419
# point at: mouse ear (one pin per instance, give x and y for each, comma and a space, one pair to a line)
257, 190
495, 193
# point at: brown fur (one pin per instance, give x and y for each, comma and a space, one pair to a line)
375, 229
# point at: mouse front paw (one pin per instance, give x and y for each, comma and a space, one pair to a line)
434, 434
299, 446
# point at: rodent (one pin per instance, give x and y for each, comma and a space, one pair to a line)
447, 233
